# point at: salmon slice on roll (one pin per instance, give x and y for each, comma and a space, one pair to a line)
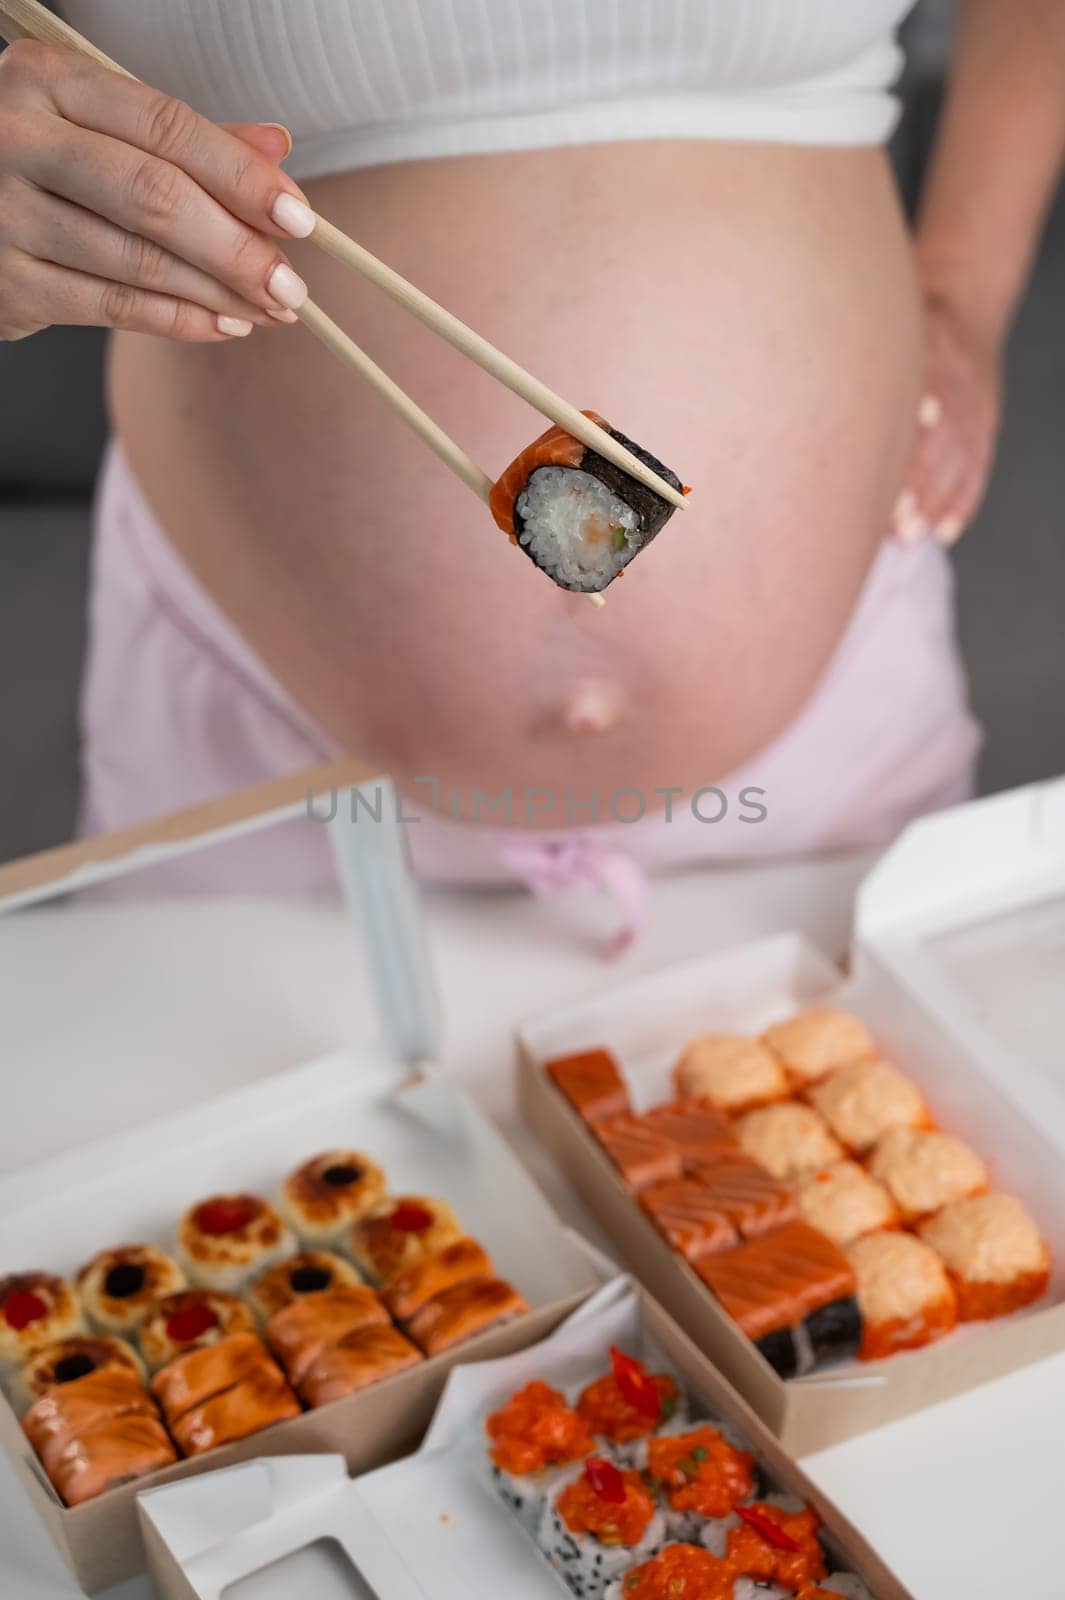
298, 1334
358, 1359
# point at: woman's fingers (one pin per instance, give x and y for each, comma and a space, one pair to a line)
271, 139
148, 196
47, 294
55, 230
248, 184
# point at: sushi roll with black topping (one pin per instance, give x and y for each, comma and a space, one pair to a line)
601, 1523
579, 517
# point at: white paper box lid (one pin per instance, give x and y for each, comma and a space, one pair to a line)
968, 911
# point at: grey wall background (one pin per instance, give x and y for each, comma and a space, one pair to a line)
1010, 566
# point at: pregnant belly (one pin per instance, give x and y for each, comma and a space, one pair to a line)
747, 313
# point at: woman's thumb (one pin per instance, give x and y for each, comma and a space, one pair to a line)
271, 139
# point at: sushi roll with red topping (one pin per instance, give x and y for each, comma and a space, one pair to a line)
225, 1241
399, 1231
678, 1572
774, 1541
628, 1404
601, 1522
36, 1309
700, 1474
534, 1441
190, 1320
576, 515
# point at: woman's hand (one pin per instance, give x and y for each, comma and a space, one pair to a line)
958, 422
124, 208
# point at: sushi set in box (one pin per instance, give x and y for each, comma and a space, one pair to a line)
836, 1184
610, 1461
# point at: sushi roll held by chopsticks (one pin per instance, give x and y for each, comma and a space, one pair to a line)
579, 517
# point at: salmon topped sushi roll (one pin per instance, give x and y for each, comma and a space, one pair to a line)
641, 1153
905, 1296
994, 1253
592, 1083
688, 1218
577, 516
731, 1072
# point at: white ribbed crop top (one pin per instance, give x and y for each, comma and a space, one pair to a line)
361, 82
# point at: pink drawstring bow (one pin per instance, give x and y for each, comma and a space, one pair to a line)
556, 866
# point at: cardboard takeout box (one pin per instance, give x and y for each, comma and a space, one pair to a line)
959, 970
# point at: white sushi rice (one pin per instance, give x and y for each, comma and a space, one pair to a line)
574, 527
528, 1494
847, 1585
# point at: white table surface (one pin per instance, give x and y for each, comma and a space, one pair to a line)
278, 983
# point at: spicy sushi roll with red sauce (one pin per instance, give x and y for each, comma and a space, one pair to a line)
628, 1403
600, 1523
534, 1440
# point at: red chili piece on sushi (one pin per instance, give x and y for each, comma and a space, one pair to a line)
768, 1529
191, 1323
21, 1308
606, 1480
636, 1386
225, 1216
411, 1218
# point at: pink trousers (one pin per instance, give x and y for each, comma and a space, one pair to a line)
176, 708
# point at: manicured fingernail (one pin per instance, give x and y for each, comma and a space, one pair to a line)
236, 327
293, 216
911, 530
929, 411
287, 287
280, 128
949, 530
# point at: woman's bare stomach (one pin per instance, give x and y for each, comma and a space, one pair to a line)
748, 313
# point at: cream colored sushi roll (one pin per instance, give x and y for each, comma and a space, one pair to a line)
398, 1231
844, 1202
818, 1041
925, 1170
36, 1309
118, 1287
862, 1102
228, 1239
70, 1359
323, 1197
996, 1257
730, 1071
192, 1319
307, 1272
788, 1139
904, 1295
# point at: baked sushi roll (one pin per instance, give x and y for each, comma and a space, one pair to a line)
700, 1474
792, 1292
225, 1241
190, 1320
307, 1272
68, 1360
600, 1523
465, 1261
904, 1293
752, 1200
924, 1170
323, 1197
358, 1359
535, 1439
994, 1253
642, 1154
688, 1218
862, 1102
696, 1132
577, 516
36, 1309
592, 1083
731, 1072
221, 1393
844, 1202
118, 1287
299, 1334
628, 1404
97, 1432
818, 1041
788, 1139
464, 1312
398, 1231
